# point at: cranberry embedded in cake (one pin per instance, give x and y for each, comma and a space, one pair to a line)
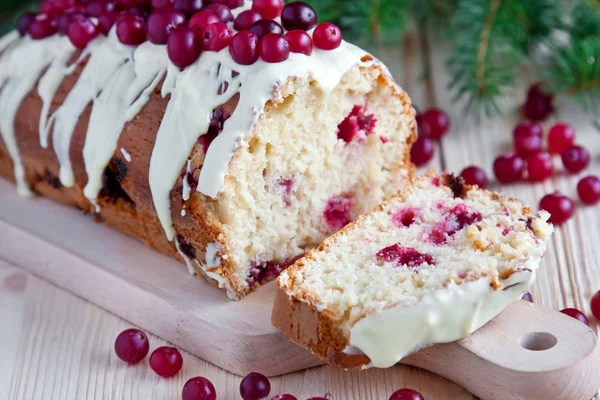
337, 211
404, 256
357, 125
406, 217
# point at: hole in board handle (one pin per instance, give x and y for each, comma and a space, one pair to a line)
538, 341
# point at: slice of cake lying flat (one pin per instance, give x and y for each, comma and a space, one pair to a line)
431, 265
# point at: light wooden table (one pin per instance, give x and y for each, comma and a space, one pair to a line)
54, 345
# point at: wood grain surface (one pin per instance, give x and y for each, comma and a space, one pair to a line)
54, 345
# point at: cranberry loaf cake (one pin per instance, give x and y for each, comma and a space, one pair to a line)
430, 265
233, 135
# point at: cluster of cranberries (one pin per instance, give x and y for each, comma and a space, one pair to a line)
188, 27
433, 124
575, 313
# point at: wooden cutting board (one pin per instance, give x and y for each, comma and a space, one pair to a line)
526, 352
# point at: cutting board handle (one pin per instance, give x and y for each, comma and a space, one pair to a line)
526, 352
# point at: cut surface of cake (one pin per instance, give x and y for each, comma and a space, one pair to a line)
236, 168
431, 265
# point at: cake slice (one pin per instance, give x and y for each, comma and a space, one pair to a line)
430, 265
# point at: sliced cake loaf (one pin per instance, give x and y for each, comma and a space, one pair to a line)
431, 265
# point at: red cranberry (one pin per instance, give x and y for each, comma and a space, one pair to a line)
255, 386
270, 9
354, 123
140, 11
422, 151
405, 217
216, 37
128, 4
404, 256
559, 206
244, 48
230, 3
273, 48
406, 394
106, 22
98, 7
474, 175
434, 123
161, 3
327, 36
188, 7
131, 29
575, 159
595, 304
337, 212
162, 22
560, 137
539, 167
24, 22
588, 190
263, 27
527, 128
81, 31
202, 19
538, 105
509, 168
221, 11
298, 15
300, 42
527, 297
198, 388
41, 28
132, 346
184, 46
527, 145
320, 398
575, 313
62, 5
63, 21
49, 8
284, 397
166, 361
245, 19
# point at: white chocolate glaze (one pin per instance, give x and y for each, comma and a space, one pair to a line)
126, 154
443, 316
213, 260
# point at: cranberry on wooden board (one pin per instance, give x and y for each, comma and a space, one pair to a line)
245, 20
166, 361
255, 386
433, 123
221, 11
300, 42
473, 175
527, 145
41, 28
202, 19
263, 27
588, 190
560, 137
539, 167
538, 105
81, 31
327, 36
406, 394
508, 168
132, 346
184, 46
244, 48
270, 9
298, 15
24, 22
273, 48
575, 313
131, 29
162, 22
527, 128
422, 151
595, 305
559, 206
575, 158
198, 388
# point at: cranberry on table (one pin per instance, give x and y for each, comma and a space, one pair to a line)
268, 8
98, 7
263, 27
298, 15
527, 297
221, 11
575, 158
202, 19
245, 19
132, 346
184, 46
559, 206
433, 123
575, 313
166, 361
273, 48
406, 394
508, 168
82, 31
588, 190
162, 22
527, 145
300, 42
216, 37
327, 36
188, 7
560, 137
198, 388
284, 397
255, 386
422, 151
131, 29
595, 304
41, 28
527, 128
538, 105
539, 167
24, 22
473, 175
244, 48
107, 21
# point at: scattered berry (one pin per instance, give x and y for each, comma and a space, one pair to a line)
245, 19
539, 167
474, 175
132, 346
508, 168
560, 137
166, 361
24, 22
81, 31
527, 145
527, 128
97, 8
559, 206
422, 151
162, 22
588, 190
244, 48
216, 37
300, 42
595, 304
406, 394
575, 313
263, 27
284, 397
298, 15
538, 105
198, 388
221, 11
255, 386
202, 19
184, 46
433, 123
270, 9
41, 28
131, 29
527, 297
327, 36
575, 159
188, 7
273, 48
